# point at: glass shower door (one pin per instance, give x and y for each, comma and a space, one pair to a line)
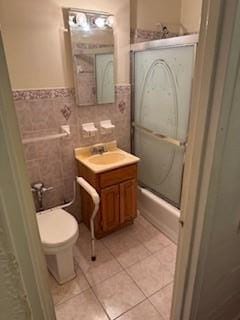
163, 80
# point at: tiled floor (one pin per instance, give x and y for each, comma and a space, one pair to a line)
130, 280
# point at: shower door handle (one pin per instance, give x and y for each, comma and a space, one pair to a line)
160, 136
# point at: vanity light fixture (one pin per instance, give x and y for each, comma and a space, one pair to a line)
86, 21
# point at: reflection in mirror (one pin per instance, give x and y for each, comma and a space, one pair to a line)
92, 44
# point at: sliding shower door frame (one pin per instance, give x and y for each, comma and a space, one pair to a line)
175, 42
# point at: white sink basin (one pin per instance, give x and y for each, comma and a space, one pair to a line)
112, 159
107, 158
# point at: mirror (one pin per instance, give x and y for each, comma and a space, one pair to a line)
92, 45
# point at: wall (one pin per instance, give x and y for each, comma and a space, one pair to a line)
37, 31
41, 112
38, 50
147, 14
191, 15
180, 16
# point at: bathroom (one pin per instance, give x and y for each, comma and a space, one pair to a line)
128, 271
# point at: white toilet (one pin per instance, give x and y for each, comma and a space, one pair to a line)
59, 232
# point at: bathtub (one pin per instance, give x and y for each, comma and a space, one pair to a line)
160, 213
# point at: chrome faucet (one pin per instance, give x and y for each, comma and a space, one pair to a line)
98, 149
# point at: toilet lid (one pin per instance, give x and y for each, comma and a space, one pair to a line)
56, 227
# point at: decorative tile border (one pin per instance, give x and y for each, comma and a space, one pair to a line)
35, 94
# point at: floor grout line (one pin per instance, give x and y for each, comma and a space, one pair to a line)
113, 275
156, 293
130, 309
143, 291
156, 309
91, 286
124, 269
150, 254
70, 298
168, 284
105, 311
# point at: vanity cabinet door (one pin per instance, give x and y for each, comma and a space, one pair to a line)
110, 208
128, 200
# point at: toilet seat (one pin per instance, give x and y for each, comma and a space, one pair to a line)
58, 230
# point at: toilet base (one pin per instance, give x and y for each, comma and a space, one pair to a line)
61, 265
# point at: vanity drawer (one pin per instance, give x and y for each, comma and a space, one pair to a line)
118, 175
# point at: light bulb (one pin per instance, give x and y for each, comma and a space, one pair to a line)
81, 19
86, 27
100, 22
110, 21
71, 21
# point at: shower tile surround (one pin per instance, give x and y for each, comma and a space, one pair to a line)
42, 111
142, 35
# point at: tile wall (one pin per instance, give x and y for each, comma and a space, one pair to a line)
142, 35
42, 112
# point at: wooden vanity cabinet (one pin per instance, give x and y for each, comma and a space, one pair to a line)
128, 200
118, 193
110, 208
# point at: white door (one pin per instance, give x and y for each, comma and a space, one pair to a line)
209, 251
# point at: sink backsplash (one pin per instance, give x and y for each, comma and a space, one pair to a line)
41, 112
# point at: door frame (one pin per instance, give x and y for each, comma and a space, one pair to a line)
215, 45
18, 213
